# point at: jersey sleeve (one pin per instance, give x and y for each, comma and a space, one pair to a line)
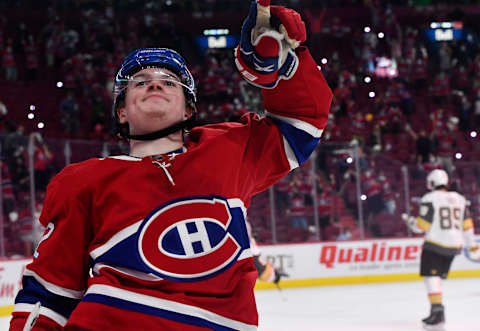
297, 112
425, 214
299, 107
467, 220
468, 229
58, 275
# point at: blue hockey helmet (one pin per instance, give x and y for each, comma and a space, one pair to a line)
144, 58
152, 58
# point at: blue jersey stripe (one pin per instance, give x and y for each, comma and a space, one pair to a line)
33, 291
301, 142
170, 315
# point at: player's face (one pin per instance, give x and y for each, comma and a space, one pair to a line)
154, 100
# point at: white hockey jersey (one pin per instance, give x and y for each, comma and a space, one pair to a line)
444, 216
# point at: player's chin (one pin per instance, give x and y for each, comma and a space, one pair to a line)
155, 104
155, 109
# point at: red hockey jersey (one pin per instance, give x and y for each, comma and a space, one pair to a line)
160, 243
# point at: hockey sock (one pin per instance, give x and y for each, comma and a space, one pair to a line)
434, 289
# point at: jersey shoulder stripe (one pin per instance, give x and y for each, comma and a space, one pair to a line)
301, 142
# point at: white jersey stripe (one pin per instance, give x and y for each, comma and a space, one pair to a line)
169, 306
65, 292
150, 277
115, 239
292, 159
245, 254
301, 125
27, 308
128, 272
237, 203
123, 157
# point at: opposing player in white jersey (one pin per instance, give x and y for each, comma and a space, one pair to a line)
444, 218
157, 240
266, 271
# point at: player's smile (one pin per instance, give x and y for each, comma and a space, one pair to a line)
155, 97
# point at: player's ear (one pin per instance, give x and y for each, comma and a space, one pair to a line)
122, 115
188, 112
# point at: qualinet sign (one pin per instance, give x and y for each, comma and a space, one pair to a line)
333, 254
324, 263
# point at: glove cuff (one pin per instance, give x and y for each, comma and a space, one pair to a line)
253, 77
288, 66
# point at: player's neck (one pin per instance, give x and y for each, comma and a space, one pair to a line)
164, 145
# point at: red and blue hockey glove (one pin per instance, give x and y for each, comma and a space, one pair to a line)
265, 55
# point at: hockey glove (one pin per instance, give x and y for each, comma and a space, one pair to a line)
411, 223
474, 253
266, 55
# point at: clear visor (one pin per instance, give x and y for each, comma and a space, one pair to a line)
143, 80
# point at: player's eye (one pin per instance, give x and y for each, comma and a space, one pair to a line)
139, 83
170, 83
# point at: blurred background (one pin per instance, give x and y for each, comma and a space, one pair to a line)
405, 76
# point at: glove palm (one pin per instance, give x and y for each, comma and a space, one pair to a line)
264, 55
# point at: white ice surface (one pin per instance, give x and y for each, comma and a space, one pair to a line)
369, 307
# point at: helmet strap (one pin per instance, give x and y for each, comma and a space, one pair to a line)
188, 123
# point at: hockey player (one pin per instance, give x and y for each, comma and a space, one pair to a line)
266, 271
157, 240
445, 219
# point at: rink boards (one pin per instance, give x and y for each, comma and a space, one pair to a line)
11, 271
309, 264
355, 262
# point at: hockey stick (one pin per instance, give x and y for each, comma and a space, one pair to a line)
280, 291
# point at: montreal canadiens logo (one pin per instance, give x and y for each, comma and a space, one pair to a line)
187, 240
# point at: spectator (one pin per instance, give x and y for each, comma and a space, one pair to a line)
9, 63
388, 196
297, 212
3, 118
31, 59
444, 149
476, 111
20, 173
99, 112
324, 207
441, 88
282, 188
420, 74
445, 57
346, 234
25, 225
14, 141
423, 145
42, 162
375, 203
69, 114
8, 196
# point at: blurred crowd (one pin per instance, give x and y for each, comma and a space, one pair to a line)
399, 99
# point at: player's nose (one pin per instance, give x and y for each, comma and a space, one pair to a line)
155, 84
